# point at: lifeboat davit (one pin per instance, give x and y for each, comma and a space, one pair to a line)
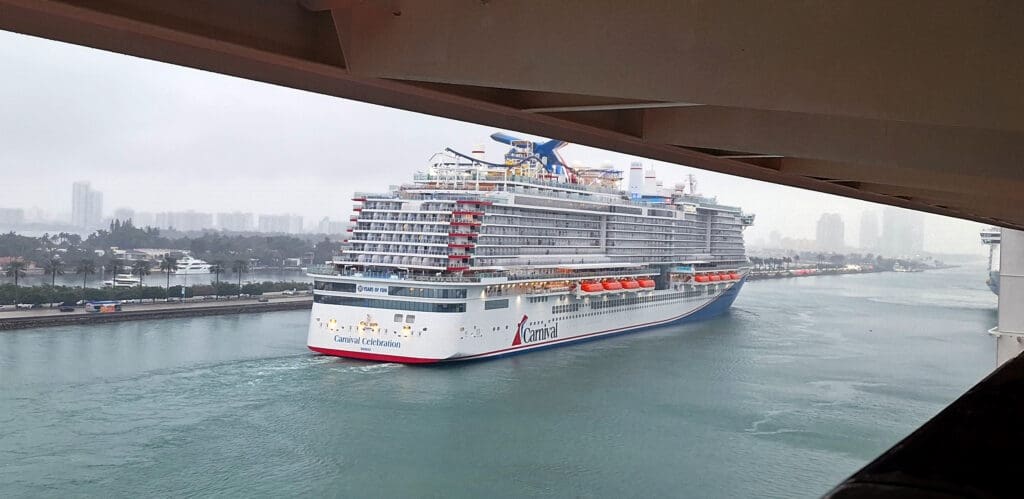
629, 284
701, 278
715, 277
611, 285
646, 283
734, 276
591, 287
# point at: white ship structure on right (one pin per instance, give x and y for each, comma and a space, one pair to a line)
475, 260
992, 237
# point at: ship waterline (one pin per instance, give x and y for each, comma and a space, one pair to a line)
477, 260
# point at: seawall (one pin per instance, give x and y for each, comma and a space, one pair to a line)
48, 318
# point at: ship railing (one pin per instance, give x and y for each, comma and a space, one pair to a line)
511, 276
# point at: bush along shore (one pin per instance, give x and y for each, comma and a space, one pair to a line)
46, 294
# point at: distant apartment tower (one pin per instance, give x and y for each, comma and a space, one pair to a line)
869, 230
124, 214
831, 232
283, 224
11, 217
902, 232
331, 227
184, 220
86, 206
235, 221
144, 219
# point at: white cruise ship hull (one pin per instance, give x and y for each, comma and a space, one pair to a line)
527, 324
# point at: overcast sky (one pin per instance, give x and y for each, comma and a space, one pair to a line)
157, 137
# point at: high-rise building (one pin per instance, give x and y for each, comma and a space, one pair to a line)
869, 231
330, 227
236, 221
123, 214
831, 232
902, 232
86, 206
283, 224
184, 220
11, 217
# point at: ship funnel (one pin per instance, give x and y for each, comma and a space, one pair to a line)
636, 179
478, 152
650, 183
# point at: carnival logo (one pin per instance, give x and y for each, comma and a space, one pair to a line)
531, 335
518, 340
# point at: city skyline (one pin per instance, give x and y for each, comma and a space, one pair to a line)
87, 214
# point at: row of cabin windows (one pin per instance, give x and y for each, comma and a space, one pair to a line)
390, 304
348, 287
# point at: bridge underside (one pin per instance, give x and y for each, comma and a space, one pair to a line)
911, 104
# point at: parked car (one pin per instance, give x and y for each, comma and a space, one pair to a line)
264, 299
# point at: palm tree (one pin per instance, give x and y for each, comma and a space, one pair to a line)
114, 265
217, 268
16, 269
140, 267
84, 268
239, 267
53, 266
167, 264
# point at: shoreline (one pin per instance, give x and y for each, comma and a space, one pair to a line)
52, 318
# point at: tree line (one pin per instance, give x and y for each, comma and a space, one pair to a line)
11, 294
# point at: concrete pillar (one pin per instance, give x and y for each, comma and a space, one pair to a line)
1010, 331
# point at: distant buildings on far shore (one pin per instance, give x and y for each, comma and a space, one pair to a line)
901, 234
87, 215
86, 206
831, 233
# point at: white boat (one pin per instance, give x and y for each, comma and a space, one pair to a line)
476, 260
188, 265
122, 281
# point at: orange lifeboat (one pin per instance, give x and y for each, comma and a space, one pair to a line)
629, 284
715, 277
701, 278
646, 283
591, 287
734, 276
611, 285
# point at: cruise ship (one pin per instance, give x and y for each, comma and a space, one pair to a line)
475, 260
992, 237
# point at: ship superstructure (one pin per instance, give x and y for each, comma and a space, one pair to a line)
477, 259
992, 237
